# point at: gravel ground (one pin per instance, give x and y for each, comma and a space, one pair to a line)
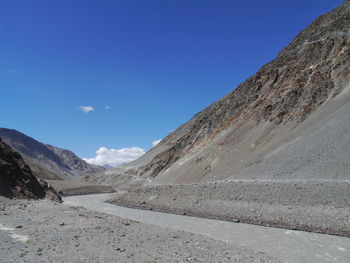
317, 206
43, 231
72, 187
320, 151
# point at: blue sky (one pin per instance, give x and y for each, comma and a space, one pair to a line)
155, 63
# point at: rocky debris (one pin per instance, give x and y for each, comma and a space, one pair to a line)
47, 161
301, 205
97, 237
17, 180
77, 187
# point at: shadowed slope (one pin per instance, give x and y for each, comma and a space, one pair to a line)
47, 161
16, 178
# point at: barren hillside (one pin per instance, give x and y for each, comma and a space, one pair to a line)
288, 121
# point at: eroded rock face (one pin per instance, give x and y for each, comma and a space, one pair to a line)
311, 69
17, 180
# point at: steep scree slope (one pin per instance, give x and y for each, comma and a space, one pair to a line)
303, 88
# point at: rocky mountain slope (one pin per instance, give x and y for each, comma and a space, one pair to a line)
17, 179
288, 121
47, 161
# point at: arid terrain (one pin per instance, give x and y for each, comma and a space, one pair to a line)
274, 151
44, 231
288, 121
308, 206
272, 156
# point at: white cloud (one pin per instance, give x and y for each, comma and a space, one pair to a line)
115, 157
107, 107
11, 70
86, 108
154, 143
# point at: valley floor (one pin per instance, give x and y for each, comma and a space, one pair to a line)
44, 231
76, 187
316, 206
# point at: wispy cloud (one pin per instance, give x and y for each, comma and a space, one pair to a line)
11, 70
107, 107
115, 157
86, 108
154, 143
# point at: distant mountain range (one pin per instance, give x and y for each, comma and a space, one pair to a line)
47, 161
290, 120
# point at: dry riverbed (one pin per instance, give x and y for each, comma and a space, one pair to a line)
43, 231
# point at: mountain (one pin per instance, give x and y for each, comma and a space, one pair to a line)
290, 120
17, 179
47, 161
107, 166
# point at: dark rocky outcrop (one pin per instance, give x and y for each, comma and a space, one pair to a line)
17, 179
